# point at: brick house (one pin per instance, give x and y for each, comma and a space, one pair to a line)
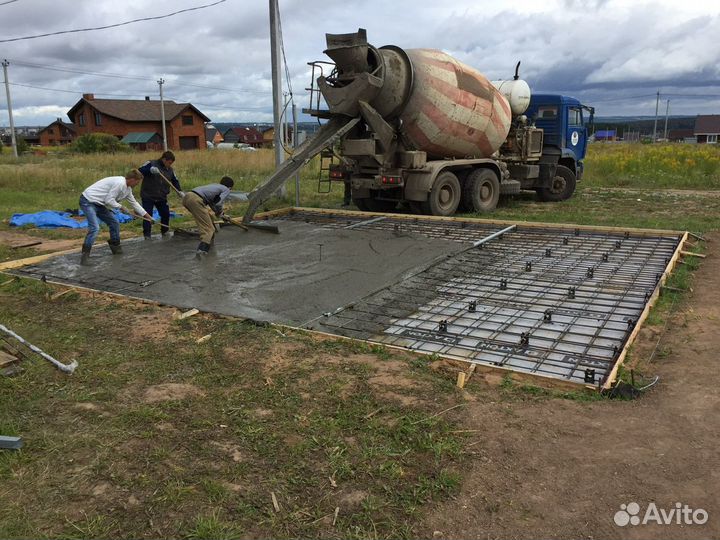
707, 128
213, 135
58, 133
184, 123
244, 135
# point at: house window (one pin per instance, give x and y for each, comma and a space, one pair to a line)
81, 119
712, 139
187, 120
98, 119
50, 131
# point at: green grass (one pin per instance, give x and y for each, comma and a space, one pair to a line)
204, 466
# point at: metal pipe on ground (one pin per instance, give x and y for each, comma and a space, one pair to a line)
66, 368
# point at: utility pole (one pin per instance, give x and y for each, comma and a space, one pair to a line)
295, 145
657, 104
667, 112
160, 82
275, 61
5, 65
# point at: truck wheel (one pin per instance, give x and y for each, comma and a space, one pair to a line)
563, 186
481, 191
444, 196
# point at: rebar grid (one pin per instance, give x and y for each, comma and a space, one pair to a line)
553, 302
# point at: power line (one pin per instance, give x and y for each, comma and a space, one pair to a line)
114, 25
133, 77
75, 91
81, 72
8, 2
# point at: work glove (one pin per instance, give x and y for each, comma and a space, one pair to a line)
181, 193
154, 170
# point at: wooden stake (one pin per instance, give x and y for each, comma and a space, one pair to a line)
276, 506
337, 511
188, 313
203, 339
689, 254
59, 294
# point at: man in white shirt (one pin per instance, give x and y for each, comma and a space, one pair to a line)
98, 202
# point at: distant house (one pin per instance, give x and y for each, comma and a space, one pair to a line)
707, 128
184, 123
213, 135
681, 135
143, 140
58, 133
269, 137
244, 135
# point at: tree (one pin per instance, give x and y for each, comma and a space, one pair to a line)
22, 145
98, 143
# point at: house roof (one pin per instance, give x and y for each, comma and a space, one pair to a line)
707, 124
70, 127
680, 133
210, 133
247, 134
139, 137
135, 110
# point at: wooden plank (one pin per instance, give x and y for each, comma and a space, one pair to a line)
6, 359
8, 265
7, 282
10, 443
188, 313
690, 254
531, 224
27, 244
203, 339
60, 294
612, 376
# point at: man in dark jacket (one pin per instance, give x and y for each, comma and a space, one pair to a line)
154, 190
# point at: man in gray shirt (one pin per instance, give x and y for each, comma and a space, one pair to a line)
203, 200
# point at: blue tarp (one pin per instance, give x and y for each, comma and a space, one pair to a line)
50, 219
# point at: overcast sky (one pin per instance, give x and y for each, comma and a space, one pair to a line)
612, 54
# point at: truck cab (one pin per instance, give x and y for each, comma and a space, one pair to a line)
565, 122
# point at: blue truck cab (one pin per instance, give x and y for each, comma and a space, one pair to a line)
565, 123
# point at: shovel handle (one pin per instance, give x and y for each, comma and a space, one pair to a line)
170, 184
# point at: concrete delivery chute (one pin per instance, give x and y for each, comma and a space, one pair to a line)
434, 133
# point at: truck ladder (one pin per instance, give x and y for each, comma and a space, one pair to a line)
326, 136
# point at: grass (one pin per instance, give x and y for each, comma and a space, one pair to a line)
271, 413
204, 466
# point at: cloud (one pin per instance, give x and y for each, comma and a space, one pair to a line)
608, 50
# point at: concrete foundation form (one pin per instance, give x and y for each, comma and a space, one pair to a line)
553, 301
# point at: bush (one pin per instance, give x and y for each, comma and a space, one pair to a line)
22, 145
98, 143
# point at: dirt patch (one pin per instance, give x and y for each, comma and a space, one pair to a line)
17, 240
152, 326
171, 391
557, 468
230, 450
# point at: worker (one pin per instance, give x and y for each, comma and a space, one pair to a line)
155, 189
203, 200
98, 202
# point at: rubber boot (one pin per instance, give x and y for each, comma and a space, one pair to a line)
202, 250
115, 247
85, 257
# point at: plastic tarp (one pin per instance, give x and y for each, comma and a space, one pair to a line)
51, 219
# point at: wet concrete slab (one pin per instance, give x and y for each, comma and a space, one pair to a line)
292, 278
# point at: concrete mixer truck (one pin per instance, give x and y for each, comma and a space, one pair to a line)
420, 128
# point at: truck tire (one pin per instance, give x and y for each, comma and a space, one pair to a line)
445, 195
481, 191
563, 186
